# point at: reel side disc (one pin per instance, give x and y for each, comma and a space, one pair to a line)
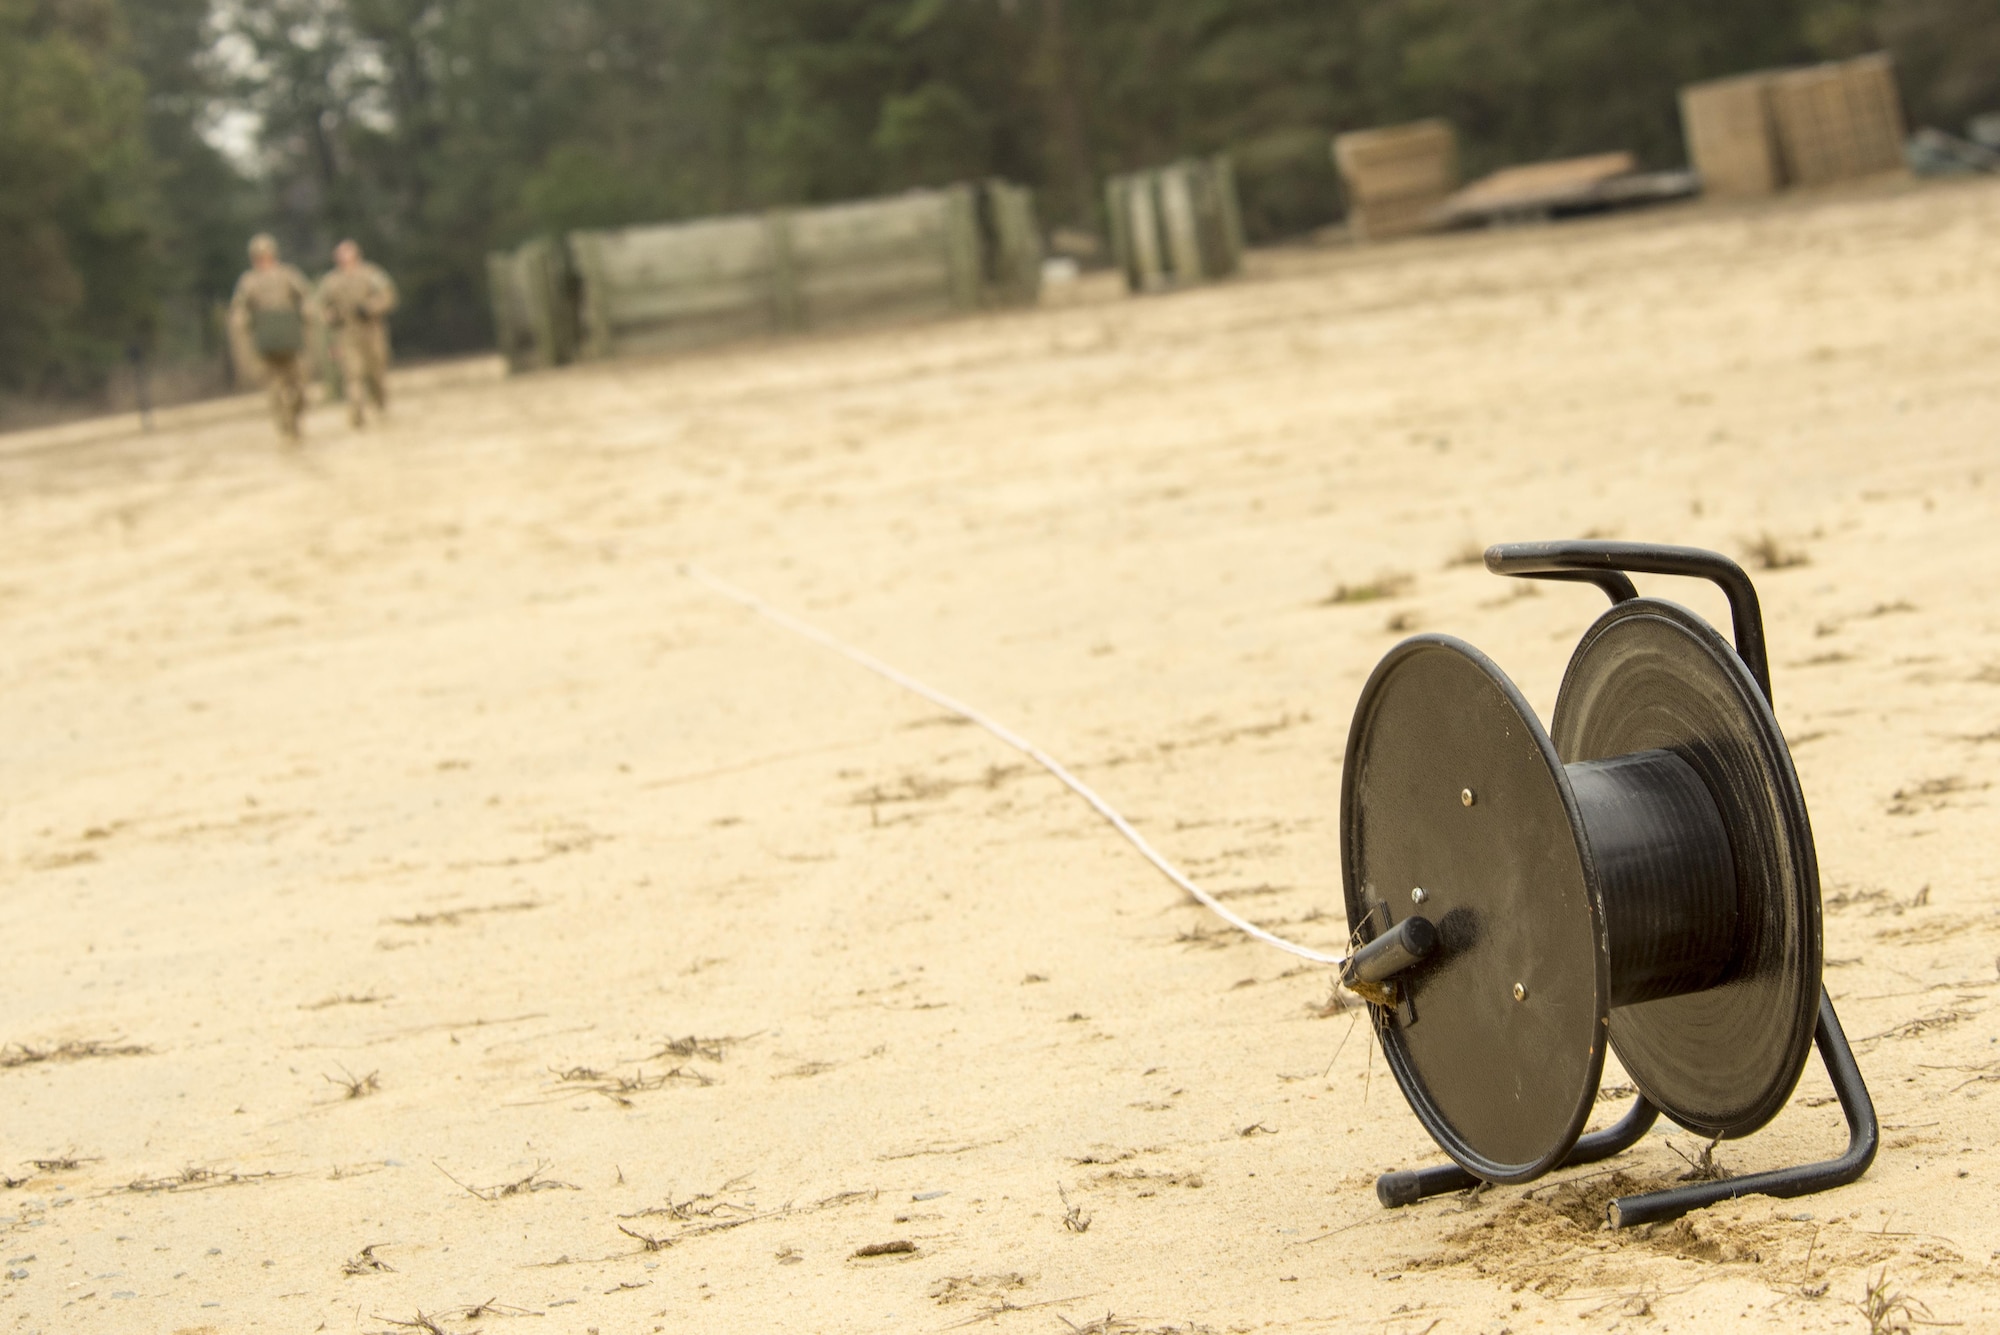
1651, 675
1455, 808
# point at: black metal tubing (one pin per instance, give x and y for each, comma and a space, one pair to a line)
1408, 943
1864, 1137
1591, 559
1617, 587
1412, 1185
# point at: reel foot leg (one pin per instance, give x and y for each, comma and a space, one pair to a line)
1801, 1180
1412, 1185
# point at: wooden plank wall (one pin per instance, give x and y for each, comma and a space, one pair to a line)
920, 255
910, 257
1176, 226
675, 285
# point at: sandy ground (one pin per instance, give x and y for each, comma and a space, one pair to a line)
421, 902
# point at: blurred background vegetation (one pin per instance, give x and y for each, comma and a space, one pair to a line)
433, 130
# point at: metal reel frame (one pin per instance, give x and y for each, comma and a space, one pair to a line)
1609, 566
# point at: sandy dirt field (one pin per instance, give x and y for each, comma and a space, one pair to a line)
422, 903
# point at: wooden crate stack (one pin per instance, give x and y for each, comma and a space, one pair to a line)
1176, 226
671, 286
1839, 122
1731, 139
1397, 177
1755, 134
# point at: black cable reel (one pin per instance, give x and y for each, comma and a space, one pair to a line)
1640, 876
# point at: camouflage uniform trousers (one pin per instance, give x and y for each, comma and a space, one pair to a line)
285, 381
363, 348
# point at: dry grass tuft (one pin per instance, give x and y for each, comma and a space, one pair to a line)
343, 999
1892, 1313
525, 1186
453, 917
620, 1088
1392, 585
26, 1054
646, 1240
366, 1262
1074, 1218
1923, 1024
709, 1049
1767, 552
357, 1086
1702, 1166
193, 1178
1109, 1324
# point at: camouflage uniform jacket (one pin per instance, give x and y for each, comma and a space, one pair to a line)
272, 289
356, 297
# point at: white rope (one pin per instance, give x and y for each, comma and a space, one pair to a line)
1019, 743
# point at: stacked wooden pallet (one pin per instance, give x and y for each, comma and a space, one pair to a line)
1754, 134
672, 286
1731, 139
1839, 122
1397, 177
1176, 226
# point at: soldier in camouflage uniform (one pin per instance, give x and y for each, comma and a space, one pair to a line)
355, 300
268, 318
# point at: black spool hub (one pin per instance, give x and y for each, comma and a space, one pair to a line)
1720, 1061
1642, 877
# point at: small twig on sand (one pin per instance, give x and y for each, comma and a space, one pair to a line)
357, 1086
426, 1324
646, 1240
533, 1182
1074, 1219
196, 1179
1702, 1167
25, 1054
366, 1262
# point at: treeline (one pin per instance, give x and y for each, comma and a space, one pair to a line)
433, 130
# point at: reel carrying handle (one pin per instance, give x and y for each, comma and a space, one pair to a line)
1604, 564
